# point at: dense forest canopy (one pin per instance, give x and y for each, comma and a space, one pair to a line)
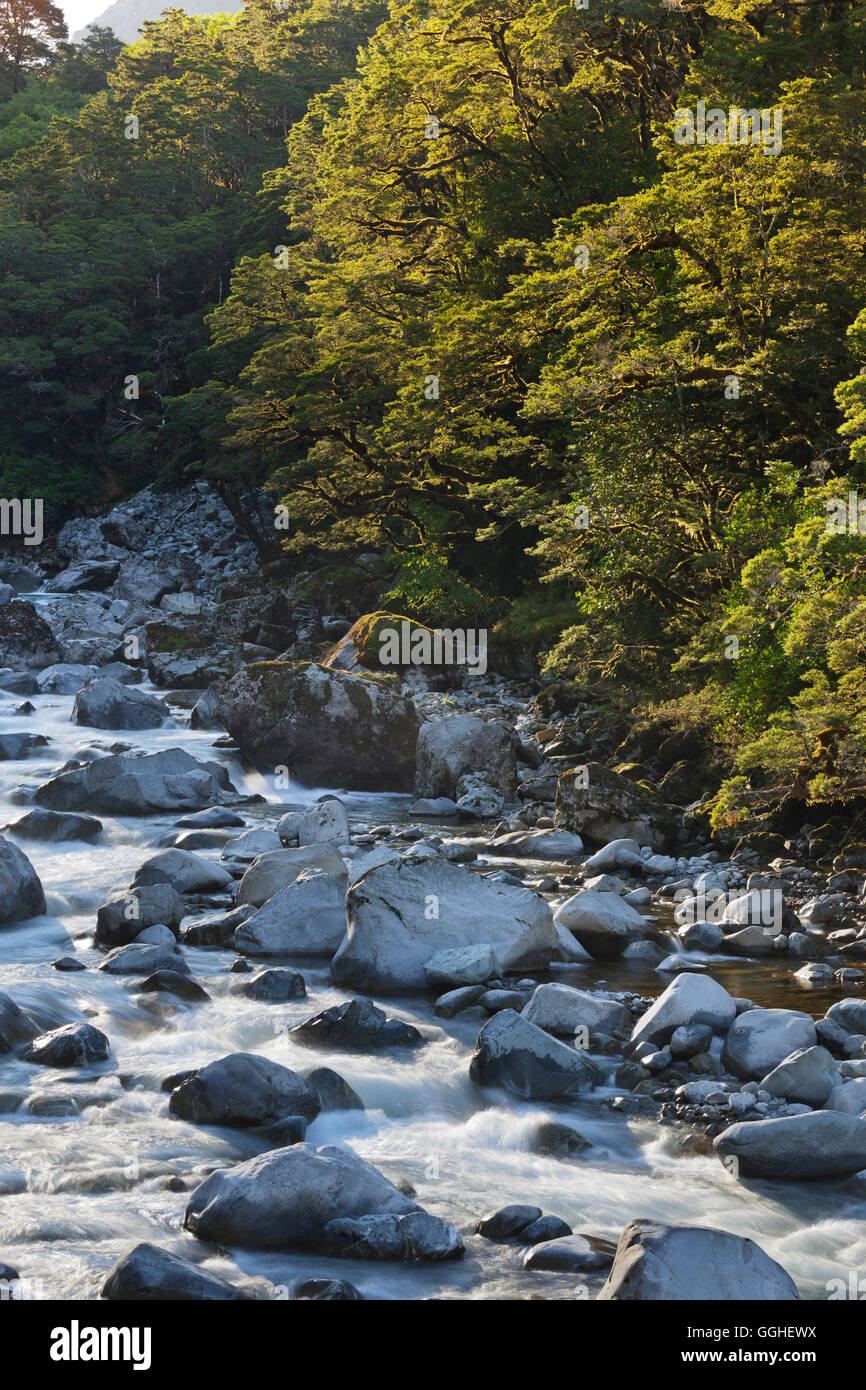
449, 284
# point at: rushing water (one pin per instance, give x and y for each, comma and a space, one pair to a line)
85, 1158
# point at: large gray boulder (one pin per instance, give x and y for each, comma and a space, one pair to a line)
56, 826
286, 1197
561, 1009
824, 1144
327, 727
104, 703
403, 912
155, 904
515, 1054
658, 1262
147, 1274
807, 1077
21, 894
64, 678
184, 871
307, 918
142, 958
762, 1038
602, 923
448, 748
688, 999
325, 821
243, 1090
275, 870
135, 784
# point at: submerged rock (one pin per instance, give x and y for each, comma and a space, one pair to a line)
355, 1027
147, 1274
15, 1026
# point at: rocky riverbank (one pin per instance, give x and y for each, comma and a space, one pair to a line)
319, 944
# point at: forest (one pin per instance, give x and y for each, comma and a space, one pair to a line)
467, 286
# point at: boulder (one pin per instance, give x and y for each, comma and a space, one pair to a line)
147, 1274
850, 1097
760, 1039
103, 703
400, 913
16, 747
617, 854
184, 871
664, 1263
354, 1027
56, 826
21, 895
15, 1026
141, 959
462, 965
561, 1009
448, 748
118, 922
325, 821
217, 930
73, 1045
602, 923
327, 727
136, 784
25, 637
807, 1076
271, 872
307, 918
538, 844
65, 678
515, 1054
849, 1015
92, 575
243, 1090
507, 1222
286, 1197
243, 849
276, 986
174, 982
823, 1144
414, 1236
689, 999
602, 805
333, 1090
325, 1291
567, 1254
478, 797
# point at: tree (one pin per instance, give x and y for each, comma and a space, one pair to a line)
28, 31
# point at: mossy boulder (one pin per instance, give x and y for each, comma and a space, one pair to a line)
392, 643
603, 806
329, 728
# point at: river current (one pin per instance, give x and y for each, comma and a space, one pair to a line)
86, 1159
